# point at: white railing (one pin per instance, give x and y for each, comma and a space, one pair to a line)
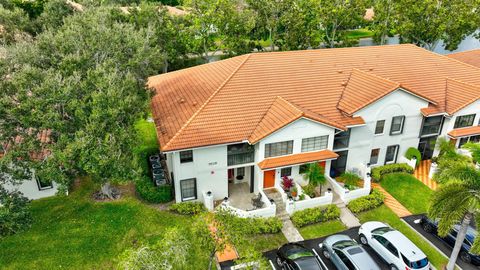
293, 206
348, 195
410, 162
268, 211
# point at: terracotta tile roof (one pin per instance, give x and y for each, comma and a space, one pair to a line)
44, 138
471, 57
432, 110
295, 159
225, 101
464, 132
459, 95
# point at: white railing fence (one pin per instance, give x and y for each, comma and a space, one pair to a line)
346, 195
268, 210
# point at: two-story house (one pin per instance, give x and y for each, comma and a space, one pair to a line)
254, 118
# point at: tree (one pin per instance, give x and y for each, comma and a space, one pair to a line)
474, 148
14, 25
426, 23
315, 175
54, 12
384, 20
457, 200
14, 212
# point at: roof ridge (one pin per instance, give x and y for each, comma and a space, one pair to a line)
446, 56
378, 76
207, 101
462, 82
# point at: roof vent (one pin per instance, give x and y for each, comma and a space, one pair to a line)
181, 100
344, 83
340, 71
194, 103
370, 69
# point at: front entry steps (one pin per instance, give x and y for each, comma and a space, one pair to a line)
288, 229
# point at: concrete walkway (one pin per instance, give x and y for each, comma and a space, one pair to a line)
346, 216
392, 203
288, 229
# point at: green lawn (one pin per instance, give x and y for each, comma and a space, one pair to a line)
410, 192
384, 214
265, 242
147, 135
75, 232
359, 33
322, 229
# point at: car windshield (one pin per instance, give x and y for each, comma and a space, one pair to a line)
344, 244
416, 264
298, 253
382, 230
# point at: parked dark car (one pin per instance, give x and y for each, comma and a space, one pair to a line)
296, 256
431, 226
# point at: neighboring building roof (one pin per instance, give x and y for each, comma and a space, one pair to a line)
471, 57
295, 159
226, 101
44, 139
464, 132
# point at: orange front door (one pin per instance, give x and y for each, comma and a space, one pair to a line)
268, 179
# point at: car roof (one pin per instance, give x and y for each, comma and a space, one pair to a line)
308, 263
372, 225
361, 258
404, 245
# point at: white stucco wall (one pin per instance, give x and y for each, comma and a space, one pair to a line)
363, 138
30, 189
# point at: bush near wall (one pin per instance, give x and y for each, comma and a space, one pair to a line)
413, 152
315, 215
379, 172
188, 208
373, 200
147, 190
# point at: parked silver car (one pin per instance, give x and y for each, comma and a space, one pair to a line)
346, 254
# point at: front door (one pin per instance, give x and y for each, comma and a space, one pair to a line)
268, 179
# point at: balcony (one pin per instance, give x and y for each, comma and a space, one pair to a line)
240, 154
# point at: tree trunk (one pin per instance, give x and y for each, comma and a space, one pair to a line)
272, 42
107, 190
165, 65
212, 255
459, 241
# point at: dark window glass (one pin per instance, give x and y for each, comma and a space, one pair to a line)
464, 121
43, 183
374, 156
339, 165
241, 171
379, 127
475, 139
341, 140
186, 156
391, 155
431, 125
286, 171
314, 143
344, 259
392, 249
397, 125
278, 149
415, 265
188, 189
240, 153
302, 168
462, 141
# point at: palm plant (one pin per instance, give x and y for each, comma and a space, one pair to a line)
457, 199
474, 148
315, 175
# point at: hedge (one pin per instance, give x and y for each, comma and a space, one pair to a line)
147, 190
315, 215
262, 225
413, 152
188, 208
373, 200
379, 172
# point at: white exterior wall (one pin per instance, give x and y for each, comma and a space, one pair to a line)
363, 138
30, 189
449, 122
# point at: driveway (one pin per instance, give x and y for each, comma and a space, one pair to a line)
446, 249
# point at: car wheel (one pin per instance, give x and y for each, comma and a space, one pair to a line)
393, 267
326, 254
465, 257
363, 240
279, 262
427, 227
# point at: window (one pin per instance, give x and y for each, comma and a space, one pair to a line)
286, 172
43, 184
464, 121
302, 168
188, 189
241, 171
344, 259
379, 127
462, 142
392, 249
186, 156
391, 155
374, 156
431, 125
240, 153
341, 140
278, 149
314, 143
397, 125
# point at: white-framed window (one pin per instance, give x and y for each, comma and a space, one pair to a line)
374, 156
379, 127
186, 156
278, 149
464, 121
314, 143
397, 125
43, 184
188, 189
286, 172
391, 154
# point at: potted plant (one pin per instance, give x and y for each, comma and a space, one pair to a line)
287, 183
294, 192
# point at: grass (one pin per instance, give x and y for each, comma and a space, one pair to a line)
147, 135
359, 33
410, 192
384, 214
265, 242
322, 229
75, 232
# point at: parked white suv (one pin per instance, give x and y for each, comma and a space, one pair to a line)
396, 249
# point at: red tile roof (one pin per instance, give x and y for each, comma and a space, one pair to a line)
295, 159
43, 138
226, 101
471, 57
460, 94
464, 132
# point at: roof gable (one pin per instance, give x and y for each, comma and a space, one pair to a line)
460, 95
471, 57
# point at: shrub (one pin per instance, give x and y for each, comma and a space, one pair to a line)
309, 190
315, 215
188, 208
264, 225
14, 212
373, 200
350, 179
287, 183
147, 190
413, 152
379, 172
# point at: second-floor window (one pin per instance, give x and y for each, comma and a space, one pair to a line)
431, 125
278, 149
374, 156
464, 121
379, 127
314, 143
341, 140
397, 125
186, 156
391, 155
240, 153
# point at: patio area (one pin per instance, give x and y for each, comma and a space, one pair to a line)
240, 196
